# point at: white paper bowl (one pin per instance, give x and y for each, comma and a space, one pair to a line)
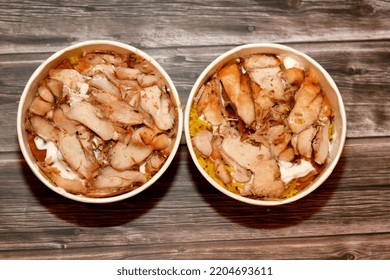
328, 86
42, 71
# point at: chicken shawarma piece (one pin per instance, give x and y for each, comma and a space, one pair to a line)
40, 107
302, 142
118, 110
56, 87
293, 76
321, 144
209, 103
69, 77
238, 89
46, 94
308, 101
100, 81
44, 129
154, 163
221, 172
72, 151
159, 106
268, 79
111, 178
267, 182
124, 156
202, 142
90, 116
278, 139
239, 174
59, 118
75, 186
256, 61
245, 154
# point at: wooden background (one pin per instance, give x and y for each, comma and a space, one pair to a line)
182, 216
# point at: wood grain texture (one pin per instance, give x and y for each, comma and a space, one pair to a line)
183, 219
182, 216
359, 71
33, 25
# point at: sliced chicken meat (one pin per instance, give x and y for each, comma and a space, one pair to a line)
302, 142
59, 118
267, 113
202, 142
40, 107
111, 178
321, 144
243, 153
260, 61
308, 101
44, 129
90, 116
124, 156
102, 124
72, 151
238, 89
159, 106
210, 104
266, 182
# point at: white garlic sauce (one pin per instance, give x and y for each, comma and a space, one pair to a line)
290, 171
54, 158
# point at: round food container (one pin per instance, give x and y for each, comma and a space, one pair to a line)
265, 124
99, 121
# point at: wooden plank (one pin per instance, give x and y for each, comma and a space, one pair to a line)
182, 216
154, 24
355, 200
359, 71
351, 247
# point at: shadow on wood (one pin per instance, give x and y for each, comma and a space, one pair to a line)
266, 217
99, 215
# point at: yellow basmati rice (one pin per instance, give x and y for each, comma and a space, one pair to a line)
197, 124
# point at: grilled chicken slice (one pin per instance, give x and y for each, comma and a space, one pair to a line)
101, 82
293, 76
111, 178
123, 156
124, 73
116, 109
239, 174
238, 89
221, 172
44, 129
266, 182
260, 61
74, 186
72, 151
308, 101
245, 154
321, 144
159, 106
46, 94
154, 163
278, 139
89, 115
59, 118
56, 87
68, 77
209, 103
40, 107
302, 142
202, 142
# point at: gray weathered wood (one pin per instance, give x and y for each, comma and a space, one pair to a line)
182, 216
